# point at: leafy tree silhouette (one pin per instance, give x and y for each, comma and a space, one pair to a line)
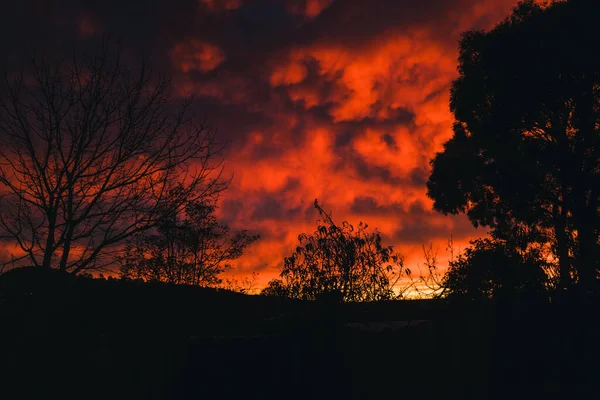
89, 152
525, 150
493, 268
339, 263
192, 249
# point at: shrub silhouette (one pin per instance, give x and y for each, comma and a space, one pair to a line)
339, 263
493, 269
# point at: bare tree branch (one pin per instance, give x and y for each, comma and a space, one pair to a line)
89, 151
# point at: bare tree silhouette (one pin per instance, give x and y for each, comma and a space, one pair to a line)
429, 283
89, 152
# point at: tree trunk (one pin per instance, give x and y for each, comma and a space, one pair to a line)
50, 240
584, 217
587, 262
584, 207
64, 259
562, 241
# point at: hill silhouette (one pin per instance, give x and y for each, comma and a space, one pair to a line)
93, 338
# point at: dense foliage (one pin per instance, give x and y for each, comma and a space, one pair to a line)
526, 138
494, 269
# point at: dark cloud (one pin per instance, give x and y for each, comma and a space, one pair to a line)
270, 208
419, 176
366, 205
354, 23
231, 209
423, 231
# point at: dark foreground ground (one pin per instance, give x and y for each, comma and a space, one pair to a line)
91, 339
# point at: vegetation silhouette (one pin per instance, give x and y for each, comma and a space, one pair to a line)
91, 153
340, 263
65, 334
193, 248
495, 269
524, 155
158, 340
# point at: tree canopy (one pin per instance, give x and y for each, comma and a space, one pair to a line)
191, 247
525, 149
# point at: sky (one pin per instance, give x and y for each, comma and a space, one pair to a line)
341, 101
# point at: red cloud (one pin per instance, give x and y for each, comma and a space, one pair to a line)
86, 26
309, 8
221, 5
196, 54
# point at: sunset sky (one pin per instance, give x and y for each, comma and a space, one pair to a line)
345, 101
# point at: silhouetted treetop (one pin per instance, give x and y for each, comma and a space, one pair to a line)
339, 263
190, 247
526, 145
